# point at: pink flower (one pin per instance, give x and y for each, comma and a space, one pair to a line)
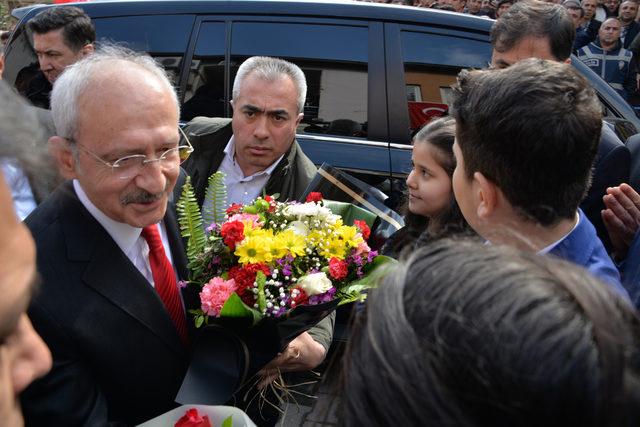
362, 248
255, 219
214, 294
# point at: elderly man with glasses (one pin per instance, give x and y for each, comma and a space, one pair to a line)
108, 244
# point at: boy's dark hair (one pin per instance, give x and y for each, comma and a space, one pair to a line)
78, 29
533, 130
535, 19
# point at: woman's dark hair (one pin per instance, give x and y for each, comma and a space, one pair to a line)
440, 133
467, 334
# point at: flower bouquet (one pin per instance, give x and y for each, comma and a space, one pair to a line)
265, 272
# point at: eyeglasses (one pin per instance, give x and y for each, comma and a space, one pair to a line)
129, 166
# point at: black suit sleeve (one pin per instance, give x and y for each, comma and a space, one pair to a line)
68, 396
611, 169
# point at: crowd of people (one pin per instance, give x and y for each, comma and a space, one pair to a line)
514, 301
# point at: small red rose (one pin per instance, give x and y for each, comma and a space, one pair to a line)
235, 208
314, 196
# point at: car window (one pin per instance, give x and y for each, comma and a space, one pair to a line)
431, 64
333, 58
142, 33
139, 33
204, 93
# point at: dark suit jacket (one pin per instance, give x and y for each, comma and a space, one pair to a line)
611, 168
117, 357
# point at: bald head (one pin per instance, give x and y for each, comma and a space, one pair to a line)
113, 70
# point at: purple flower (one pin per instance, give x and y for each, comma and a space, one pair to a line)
182, 283
372, 255
320, 298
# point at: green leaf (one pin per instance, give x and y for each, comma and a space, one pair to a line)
228, 422
235, 307
199, 320
190, 221
379, 268
262, 299
350, 212
215, 199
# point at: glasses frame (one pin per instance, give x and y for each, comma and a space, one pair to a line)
115, 166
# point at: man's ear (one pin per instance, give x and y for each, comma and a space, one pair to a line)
231, 103
88, 49
487, 195
568, 61
61, 151
299, 119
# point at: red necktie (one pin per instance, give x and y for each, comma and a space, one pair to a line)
164, 279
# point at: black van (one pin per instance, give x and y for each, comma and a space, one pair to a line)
375, 72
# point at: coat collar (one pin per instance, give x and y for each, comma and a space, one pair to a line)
110, 273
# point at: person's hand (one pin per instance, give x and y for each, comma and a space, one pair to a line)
302, 354
621, 217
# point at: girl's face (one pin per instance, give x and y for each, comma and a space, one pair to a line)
429, 184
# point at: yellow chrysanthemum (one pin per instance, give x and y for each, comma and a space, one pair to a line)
257, 232
349, 235
254, 250
333, 248
293, 242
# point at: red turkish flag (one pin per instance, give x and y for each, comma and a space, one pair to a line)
423, 112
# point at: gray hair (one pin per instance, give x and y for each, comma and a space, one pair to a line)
271, 69
78, 77
23, 141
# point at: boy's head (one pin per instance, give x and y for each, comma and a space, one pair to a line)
526, 138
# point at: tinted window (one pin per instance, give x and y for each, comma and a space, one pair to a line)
165, 37
333, 58
204, 94
431, 64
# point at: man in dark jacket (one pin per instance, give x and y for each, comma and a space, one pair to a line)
258, 153
549, 35
257, 149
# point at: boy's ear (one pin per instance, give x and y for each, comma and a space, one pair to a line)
61, 151
487, 195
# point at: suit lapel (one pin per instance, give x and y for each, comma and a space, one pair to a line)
110, 273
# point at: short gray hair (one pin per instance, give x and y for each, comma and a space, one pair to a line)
271, 69
78, 77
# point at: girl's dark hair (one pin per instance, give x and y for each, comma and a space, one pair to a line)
440, 133
467, 334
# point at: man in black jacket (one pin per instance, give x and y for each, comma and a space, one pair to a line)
544, 30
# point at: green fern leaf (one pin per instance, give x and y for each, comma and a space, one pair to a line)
215, 199
190, 220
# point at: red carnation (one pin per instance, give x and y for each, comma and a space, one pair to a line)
232, 233
235, 208
244, 277
314, 196
298, 297
364, 228
338, 268
268, 199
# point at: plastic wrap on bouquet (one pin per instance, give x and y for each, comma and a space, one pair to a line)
230, 351
340, 186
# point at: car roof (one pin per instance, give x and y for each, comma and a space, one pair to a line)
311, 8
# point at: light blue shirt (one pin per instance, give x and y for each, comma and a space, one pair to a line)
23, 200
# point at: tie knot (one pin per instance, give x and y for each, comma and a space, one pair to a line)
152, 236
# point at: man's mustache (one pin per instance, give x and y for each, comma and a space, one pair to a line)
141, 196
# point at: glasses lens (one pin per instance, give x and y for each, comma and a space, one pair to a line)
184, 152
127, 167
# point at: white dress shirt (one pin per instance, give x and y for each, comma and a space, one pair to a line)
554, 244
128, 238
242, 189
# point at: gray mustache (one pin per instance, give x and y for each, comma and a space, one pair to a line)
140, 196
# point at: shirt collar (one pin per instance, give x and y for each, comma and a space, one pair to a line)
123, 234
230, 151
557, 242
